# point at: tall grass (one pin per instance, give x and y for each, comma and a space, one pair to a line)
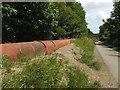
86, 46
47, 73
78, 79
6, 63
44, 74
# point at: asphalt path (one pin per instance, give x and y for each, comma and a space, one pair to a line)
111, 59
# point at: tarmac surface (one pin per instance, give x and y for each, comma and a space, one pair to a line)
111, 59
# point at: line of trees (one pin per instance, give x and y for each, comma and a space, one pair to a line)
28, 21
110, 30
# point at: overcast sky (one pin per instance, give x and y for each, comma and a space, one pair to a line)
96, 10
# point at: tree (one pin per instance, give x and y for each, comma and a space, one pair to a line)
28, 21
110, 30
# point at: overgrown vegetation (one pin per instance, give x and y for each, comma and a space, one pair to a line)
46, 73
42, 74
23, 58
6, 63
78, 79
110, 30
87, 51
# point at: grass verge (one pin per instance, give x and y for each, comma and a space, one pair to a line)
6, 63
86, 46
117, 48
46, 73
78, 79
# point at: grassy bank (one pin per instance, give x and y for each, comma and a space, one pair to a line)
116, 48
46, 72
86, 46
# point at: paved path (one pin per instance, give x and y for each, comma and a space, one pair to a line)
111, 58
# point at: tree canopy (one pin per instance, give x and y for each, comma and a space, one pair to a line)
110, 30
28, 21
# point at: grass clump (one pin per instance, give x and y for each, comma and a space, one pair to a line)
87, 45
78, 79
6, 63
44, 74
96, 84
23, 58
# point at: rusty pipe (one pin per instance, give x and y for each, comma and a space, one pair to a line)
13, 50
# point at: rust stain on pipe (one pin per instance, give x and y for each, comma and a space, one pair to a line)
50, 46
30, 48
25, 48
10, 51
38, 46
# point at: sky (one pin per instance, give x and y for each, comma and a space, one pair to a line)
96, 10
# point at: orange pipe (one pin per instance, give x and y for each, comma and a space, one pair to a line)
30, 48
10, 51
61, 43
50, 46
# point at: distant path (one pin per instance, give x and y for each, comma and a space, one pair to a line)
110, 57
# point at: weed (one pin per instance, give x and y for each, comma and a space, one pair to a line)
95, 65
66, 61
6, 63
87, 46
44, 74
23, 58
96, 84
78, 79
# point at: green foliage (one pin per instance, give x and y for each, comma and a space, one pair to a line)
78, 79
87, 51
44, 74
110, 30
96, 84
94, 37
6, 63
60, 32
33, 21
23, 58
28, 21
72, 19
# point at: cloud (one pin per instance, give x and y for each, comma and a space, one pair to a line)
98, 6
85, 2
103, 14
96, 11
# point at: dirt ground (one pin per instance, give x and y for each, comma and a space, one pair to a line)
71, 52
